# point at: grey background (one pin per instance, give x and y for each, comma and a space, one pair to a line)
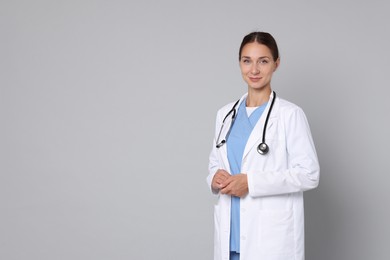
107, 116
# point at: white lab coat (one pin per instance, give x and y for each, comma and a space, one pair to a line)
271, 215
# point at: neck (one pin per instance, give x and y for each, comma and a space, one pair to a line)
257, 98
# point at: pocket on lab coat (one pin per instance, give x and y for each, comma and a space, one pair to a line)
276, 236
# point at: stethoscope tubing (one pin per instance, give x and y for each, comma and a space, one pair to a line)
262, 148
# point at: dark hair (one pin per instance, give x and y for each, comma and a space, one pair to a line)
261, 38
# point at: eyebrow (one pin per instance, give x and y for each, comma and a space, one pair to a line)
262, 57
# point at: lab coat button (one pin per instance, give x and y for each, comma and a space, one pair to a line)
243, 237
243, 210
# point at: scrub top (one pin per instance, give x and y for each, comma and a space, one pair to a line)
238, 137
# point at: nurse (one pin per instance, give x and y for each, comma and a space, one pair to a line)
259, 213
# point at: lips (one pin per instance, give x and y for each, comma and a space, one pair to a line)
254, 79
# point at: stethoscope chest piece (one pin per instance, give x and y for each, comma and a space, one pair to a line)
262, 148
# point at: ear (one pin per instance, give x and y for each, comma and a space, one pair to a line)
277, 63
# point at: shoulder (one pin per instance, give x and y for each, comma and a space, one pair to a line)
288, 107
223, 111
226, 108
291, 113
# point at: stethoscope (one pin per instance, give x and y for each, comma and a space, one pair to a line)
262, 148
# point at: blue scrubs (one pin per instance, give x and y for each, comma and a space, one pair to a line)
238, 137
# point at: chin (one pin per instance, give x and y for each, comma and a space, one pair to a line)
257, 87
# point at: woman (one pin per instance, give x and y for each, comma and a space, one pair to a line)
259, 176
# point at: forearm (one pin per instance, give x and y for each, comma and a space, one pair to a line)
270, 183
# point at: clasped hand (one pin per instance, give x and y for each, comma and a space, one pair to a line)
234, 185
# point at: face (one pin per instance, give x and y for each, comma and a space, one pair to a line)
257, 65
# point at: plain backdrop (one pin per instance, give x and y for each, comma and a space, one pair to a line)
107, 115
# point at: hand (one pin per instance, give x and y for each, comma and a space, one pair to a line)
235, 185
219, 177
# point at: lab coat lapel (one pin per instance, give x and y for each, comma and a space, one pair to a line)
225, 161
257, 132
226, 128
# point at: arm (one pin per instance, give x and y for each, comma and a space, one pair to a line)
303, 169
213, 158
217, 174
219, 180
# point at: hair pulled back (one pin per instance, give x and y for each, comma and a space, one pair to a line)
261, 38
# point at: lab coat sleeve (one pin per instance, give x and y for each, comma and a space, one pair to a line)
303, 169
213, 158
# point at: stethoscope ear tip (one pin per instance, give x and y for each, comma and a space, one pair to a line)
221, 144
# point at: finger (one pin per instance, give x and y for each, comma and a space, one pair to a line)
223, 173
220, 179
223, 176
228, 186
218, 182
228, 180
224, 184
225, 190
226, 174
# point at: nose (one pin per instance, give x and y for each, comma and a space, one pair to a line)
255, 69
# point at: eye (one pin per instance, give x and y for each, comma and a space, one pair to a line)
246, 61
264, 61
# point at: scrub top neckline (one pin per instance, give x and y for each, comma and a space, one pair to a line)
250, 110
